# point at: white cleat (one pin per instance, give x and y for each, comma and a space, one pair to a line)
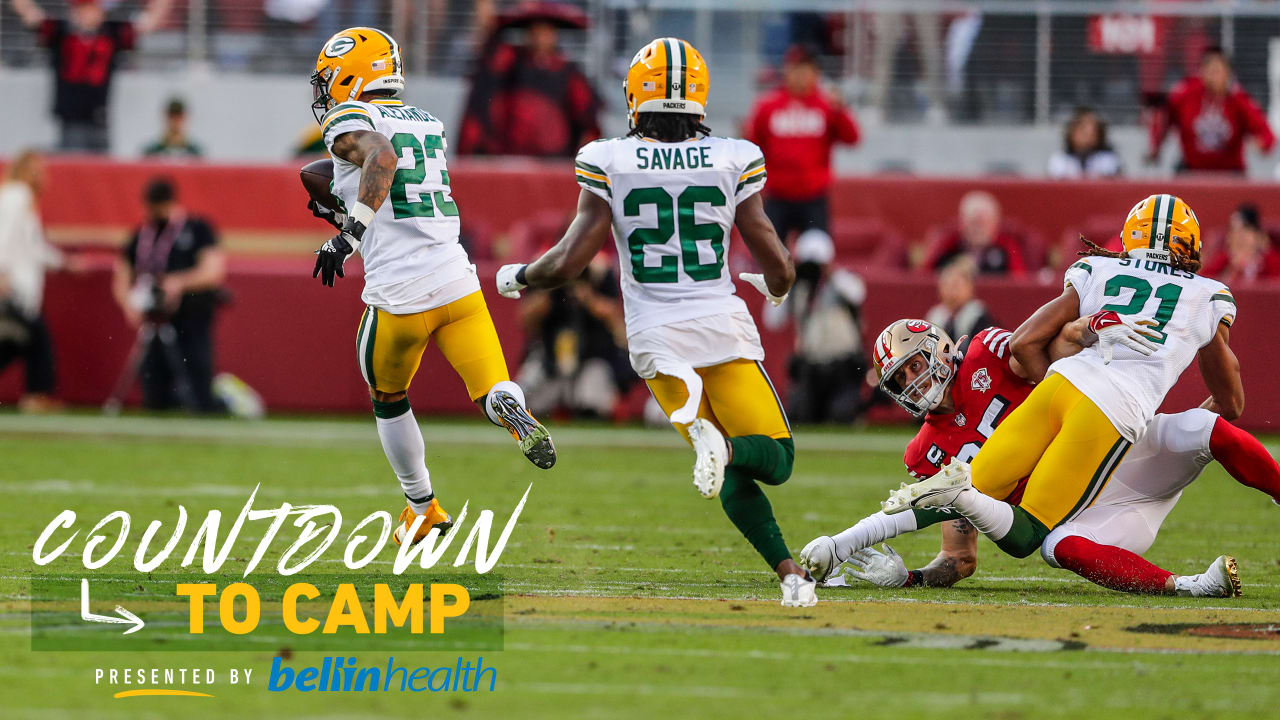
1222, 579
819, 557
938, 491
799, 591
708, 468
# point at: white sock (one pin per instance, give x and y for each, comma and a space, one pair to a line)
992, 517
506, 386
871, 530
1185, 585
406, 451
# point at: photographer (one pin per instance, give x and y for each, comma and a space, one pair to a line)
169, 277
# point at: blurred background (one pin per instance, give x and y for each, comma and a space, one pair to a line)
934, 159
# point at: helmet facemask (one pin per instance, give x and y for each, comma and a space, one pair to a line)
320, 92
926, 391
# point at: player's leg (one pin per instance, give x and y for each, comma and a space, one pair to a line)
389, 350
465, 333
1245, 458
761, 417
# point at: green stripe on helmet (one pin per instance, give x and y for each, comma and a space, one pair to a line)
684, 71
667, 44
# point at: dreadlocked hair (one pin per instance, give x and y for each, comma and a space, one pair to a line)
668, 127
1178, 262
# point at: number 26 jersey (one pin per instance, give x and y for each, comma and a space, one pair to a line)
673, 212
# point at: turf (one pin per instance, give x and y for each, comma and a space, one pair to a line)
627, 595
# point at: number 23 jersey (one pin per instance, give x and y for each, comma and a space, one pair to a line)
673, 212
985, 391
1186, 310
412, 259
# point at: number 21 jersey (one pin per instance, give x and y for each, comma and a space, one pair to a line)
1186, 310
673, 211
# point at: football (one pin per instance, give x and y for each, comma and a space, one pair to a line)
316, 176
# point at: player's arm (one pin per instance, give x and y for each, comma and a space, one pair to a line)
1221, 372
1032, 340
28, 12
566, 260
957, 559
778, 272
1070, 340
373, 154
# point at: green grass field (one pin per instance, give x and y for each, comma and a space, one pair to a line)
627, 595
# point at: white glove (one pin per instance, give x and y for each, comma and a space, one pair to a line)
756, 280
1111, 329
508, 286
885, 569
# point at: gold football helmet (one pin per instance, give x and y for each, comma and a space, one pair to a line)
667, 75
1161, 227
894, 350
355, 61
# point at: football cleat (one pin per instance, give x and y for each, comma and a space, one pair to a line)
712, 455
799, 591
434, 517
819, 557
530, 435
1222, 579
938, 491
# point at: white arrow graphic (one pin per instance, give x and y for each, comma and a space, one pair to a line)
126, 617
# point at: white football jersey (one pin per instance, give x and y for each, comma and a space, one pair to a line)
1186, 309
673, 211
412, 258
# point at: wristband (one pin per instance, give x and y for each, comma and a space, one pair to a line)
914, 578
361, 213
520, 275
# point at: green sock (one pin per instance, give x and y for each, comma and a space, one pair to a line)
746, 505
932, 516
764, 458
1025, 536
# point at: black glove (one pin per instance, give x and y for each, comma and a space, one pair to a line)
335, 218
331, 255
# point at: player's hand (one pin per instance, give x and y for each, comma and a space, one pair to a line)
885, 569
756, 280
331, 256
335, 218
509, 286
1111, 329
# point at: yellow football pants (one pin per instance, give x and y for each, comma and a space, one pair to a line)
737, 397
1061, 442
389, 347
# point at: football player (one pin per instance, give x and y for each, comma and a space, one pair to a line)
672, 195
976, 392
419, 286
1075, 427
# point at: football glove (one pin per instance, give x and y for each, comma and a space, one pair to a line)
510, 280
336, 218
334, 253
885, 569
756, 280
1111, 329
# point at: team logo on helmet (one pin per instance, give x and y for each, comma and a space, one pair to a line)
917, 326
981, 380
339, 47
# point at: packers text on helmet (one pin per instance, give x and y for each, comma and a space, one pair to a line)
354, 61
1162, 227
667, 75
892, 357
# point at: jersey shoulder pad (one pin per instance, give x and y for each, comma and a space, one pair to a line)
351, 111
753, 173
994, 341
591, 167
1079, 273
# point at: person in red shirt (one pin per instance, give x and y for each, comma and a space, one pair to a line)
796, 126
980, 236
84, 51
1248, 255
1212, 115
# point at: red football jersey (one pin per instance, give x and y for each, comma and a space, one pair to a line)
985, 391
